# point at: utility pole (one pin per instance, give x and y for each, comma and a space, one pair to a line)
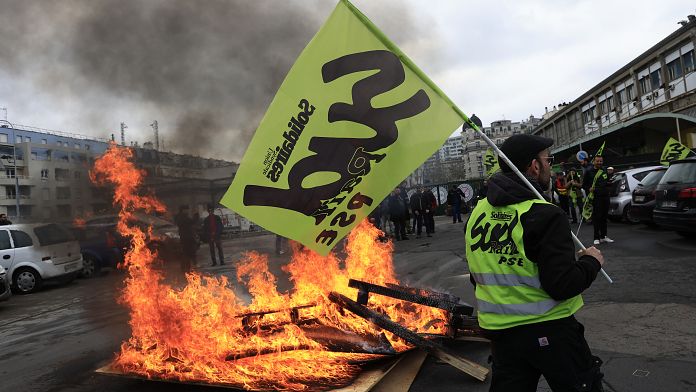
155, 126
123, 133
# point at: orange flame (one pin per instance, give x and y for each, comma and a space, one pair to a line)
79, 222
188, 334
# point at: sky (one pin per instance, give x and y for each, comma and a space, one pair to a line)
207, 70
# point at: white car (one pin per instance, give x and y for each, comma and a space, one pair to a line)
34, 253
5, 291
622, 191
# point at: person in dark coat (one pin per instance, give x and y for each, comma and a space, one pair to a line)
597, 182
418, 207
529, 285
454, 199
187, 238
430, 204
212, 231
397, 212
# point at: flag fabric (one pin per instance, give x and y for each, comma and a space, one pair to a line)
672, 151
587, 206
352, 119
601, 150
490, 162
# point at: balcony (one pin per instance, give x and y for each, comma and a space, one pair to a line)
9, 179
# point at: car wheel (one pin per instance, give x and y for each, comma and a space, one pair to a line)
26, 280
627, 215
90, 267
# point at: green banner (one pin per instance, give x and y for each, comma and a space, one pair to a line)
490, 162
673, 150
601, 150
352, 119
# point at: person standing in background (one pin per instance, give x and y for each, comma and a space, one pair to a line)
212, 230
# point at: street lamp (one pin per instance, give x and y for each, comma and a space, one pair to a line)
14, 159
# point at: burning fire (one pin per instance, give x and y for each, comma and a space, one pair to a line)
196, 334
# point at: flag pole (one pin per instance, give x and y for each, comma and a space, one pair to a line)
524, 179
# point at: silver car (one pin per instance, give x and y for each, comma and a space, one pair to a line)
623, 185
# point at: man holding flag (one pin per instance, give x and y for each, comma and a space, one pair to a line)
528, 282
597, 186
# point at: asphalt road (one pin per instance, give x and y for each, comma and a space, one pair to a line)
643, 326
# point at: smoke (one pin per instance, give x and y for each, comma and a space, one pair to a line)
206, 69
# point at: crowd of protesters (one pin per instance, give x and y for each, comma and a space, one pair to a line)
400, 215
571, 187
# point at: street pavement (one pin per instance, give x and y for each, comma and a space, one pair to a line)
643, 325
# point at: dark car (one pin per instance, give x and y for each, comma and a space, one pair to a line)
643, 197
675, 198
101, 247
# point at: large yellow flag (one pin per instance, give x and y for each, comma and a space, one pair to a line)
352, 119
672, 151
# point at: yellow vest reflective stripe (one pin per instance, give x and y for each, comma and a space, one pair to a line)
508, 289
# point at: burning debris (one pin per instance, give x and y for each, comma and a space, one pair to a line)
297, 340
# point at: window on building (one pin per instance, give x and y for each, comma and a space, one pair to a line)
687, 59
630, 93
18, 138
44, 141
77, 146
77, 175
62, 174
78, 193
3, 138
27, 139
61, 156
655, 80
62, 193
620, 97
610, 104
644, 86
87, 147
78, 157
674, 69
40, 154
603, 106
46, 194
47, 213
44, 174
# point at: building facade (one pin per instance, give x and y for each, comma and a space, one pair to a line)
475, 147
47, 174
636, 109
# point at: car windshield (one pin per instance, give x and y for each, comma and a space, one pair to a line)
653, 177
684, 172
52, 234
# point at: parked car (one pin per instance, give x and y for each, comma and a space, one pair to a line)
5, 292
101, 247
38, 252
166, 233
675, 198
643, 200
623, 185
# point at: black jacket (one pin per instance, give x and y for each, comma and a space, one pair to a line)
547, 240
601, 188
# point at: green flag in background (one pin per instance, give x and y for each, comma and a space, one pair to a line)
673, 150
352, 119
490, 161
601, 150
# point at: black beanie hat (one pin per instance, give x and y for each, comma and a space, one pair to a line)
521, 149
